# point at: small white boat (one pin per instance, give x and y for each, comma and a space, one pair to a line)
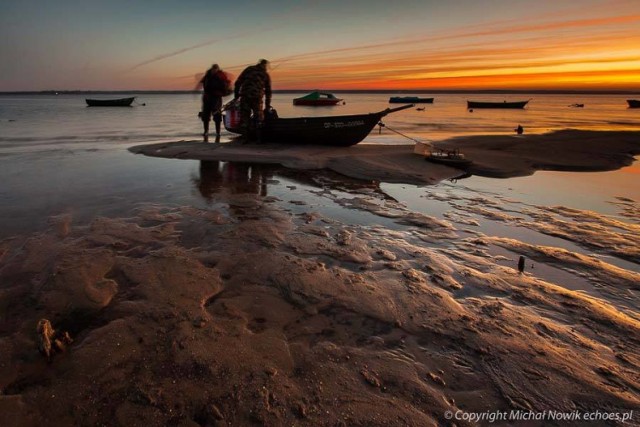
450, 158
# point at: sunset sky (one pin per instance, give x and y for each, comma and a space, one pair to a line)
372, 44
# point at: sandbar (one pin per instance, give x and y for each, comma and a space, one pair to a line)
501, 156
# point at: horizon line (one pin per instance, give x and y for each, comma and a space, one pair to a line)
385, 91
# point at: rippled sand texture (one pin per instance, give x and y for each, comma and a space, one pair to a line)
250, 313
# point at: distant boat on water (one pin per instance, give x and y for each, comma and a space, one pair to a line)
633, 103
317, 99
409, 100
504, 104
121, 102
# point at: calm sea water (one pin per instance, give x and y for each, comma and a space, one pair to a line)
35, 121
59, 156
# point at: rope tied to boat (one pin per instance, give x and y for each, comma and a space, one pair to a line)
382, 125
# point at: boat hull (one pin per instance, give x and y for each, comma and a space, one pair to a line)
409, 100
633, 103
340, 131
317, 99
513, 105
122, 102
317, 102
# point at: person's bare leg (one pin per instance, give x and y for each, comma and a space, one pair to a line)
205, 123
217, 119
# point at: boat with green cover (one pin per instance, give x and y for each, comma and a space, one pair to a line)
317, 99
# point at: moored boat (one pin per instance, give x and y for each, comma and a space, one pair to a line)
633, 103
450, 158
329, 130
121, 102
504, 104
317, 99
409, 100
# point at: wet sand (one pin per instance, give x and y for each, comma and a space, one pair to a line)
253, 315
507, 156
390, 163
501, 156
249, 313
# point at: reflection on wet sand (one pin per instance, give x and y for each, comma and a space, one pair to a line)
232, 177
217, 179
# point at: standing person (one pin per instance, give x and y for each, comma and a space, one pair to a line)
252, 84
215, 85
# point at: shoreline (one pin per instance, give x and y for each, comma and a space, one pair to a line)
498, 156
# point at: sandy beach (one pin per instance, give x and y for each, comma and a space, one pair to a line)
501, 156
251, 313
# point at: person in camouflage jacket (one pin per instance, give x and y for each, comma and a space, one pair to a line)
251, 86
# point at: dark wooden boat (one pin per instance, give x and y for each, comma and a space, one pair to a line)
331, 130
317, 99
505, 104
122, 102
633, 103
409, 100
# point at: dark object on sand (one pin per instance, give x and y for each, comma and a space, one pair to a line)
409, 99
519, 130
50, 341
633, 103
505, 104
122, 102
450, 158
577, 105
329, 130
521, 264
317, 99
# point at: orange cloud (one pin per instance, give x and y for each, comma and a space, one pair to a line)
594, 53
608, 56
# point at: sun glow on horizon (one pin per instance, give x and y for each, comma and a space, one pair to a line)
597, 53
